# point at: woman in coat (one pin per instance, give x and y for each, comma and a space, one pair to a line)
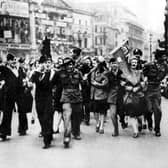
134, 83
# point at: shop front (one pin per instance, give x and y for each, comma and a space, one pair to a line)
14, 28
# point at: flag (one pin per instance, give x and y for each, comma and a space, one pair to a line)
121, 54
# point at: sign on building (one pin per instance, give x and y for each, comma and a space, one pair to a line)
14, 8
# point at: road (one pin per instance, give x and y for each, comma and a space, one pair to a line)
93, 151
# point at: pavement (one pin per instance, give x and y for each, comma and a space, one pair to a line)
93, 151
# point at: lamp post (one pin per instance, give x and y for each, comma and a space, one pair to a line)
150, 47
166, 27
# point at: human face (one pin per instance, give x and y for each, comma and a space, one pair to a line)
70, 67
134, 64
114, 66
42, 67
13, 63
88, 62
48, 64
60, 61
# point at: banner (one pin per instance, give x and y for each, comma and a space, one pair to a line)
121, 54
14, 8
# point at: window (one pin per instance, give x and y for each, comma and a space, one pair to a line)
96, 40
104, 40
85, 42
79, 22
96, 29
101, 52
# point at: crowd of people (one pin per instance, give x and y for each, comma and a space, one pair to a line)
74, 86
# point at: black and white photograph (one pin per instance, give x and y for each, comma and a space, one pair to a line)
83, 83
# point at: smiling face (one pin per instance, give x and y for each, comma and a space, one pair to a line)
12, 63
134, 63
113, 66
70, 67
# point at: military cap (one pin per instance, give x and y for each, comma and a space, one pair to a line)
42, 59
137, 51
21, 60
112, 60
68, 60
76, 51
159, 54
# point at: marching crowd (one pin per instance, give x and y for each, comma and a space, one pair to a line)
74, 86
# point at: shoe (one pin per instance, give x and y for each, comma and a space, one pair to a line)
46, 146
115, 134
56, 132
22, 133
139, 128
3, 137
157, 134
101, 131
150, 129
40, 135
124, 125
66, 142
135, 135
87, 123
77, 137
97, 128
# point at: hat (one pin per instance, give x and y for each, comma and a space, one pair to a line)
159, 54
10, 57
137, 51
42, 59
21, 60
112, 60
76, 51
68, 60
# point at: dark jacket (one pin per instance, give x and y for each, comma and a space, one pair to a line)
71, 84
24, 96
98, 89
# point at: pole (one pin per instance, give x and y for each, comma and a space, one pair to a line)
150, 41
166, 27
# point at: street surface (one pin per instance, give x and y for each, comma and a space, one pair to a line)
93, 151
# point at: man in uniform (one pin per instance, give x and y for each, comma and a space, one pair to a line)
155, 72
71, 98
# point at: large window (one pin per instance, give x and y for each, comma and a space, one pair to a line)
14, 29
85, 42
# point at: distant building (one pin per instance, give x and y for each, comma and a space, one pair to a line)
151, 44
54, 20
122, 23
14, 28
82, 28
105, 34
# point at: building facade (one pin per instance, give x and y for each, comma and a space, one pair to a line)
14, 28
82, 30
105, 33
54, 20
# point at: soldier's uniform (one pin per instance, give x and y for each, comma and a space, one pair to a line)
155, 72
71, 98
